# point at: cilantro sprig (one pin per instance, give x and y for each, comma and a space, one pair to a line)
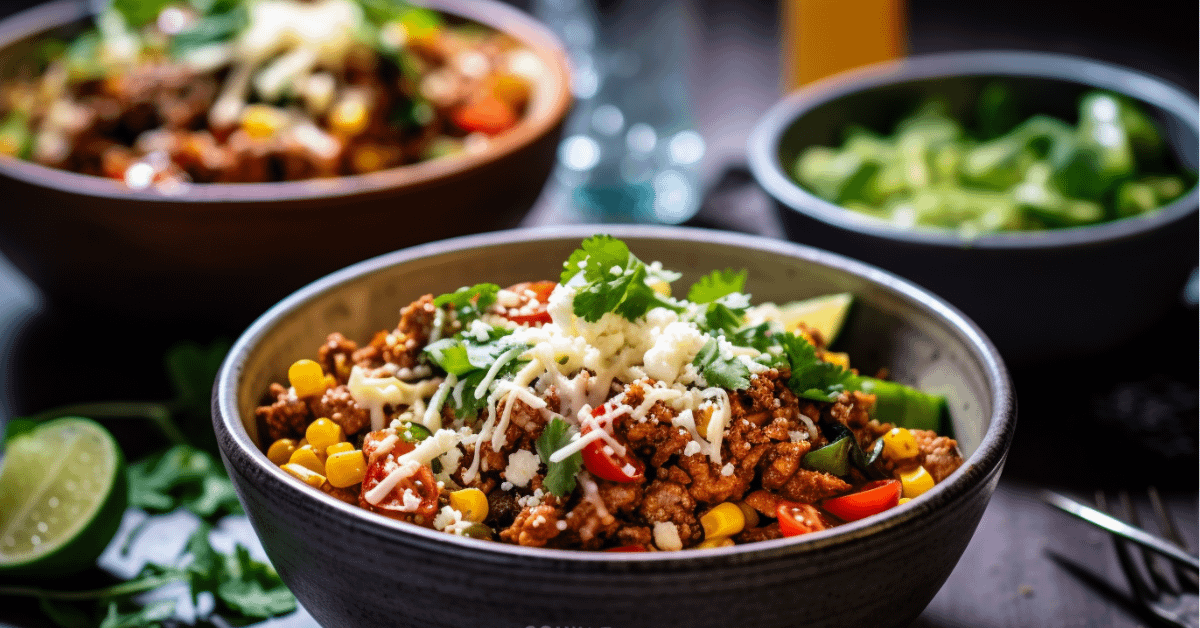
717, 284
560, 476
725, 372
243, 589
610, 279
813, 378
469, 302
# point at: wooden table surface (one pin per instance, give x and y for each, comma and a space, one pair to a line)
1124, 419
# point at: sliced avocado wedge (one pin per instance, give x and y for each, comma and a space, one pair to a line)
904, 406
825, 314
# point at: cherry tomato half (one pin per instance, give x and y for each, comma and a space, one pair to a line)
486, 114
372, 441
872, 498
796, 518
623, 468
531, 307
422, 484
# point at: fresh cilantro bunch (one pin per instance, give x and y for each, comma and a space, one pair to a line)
244, 590
611, 279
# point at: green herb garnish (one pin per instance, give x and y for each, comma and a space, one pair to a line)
560, 476
728, 373
717, 284
612, 280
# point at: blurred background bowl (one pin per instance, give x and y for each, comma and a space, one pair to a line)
880, 571
221, 253
1039, 295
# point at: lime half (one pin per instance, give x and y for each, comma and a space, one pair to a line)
825, 314
62, 495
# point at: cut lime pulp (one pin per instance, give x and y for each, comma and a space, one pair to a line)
826, 314
62, 495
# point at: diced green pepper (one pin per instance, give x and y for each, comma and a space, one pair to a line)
1135, 198
832, 458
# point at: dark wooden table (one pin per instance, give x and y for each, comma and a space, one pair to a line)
1124, 419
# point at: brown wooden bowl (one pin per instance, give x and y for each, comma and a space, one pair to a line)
221, 253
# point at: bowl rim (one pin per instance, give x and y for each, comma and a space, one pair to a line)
495, 14
986, 461
764, 141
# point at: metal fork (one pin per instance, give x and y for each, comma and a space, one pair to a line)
1172, 600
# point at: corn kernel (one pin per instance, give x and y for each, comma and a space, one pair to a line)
724, 520
750, 514
281, 450
349, 117
346, 468
304, 474
701, 417
511, 89
323, 433
916, 482
307, 378
471, 502
899, 444
904, 500
308, 458
330, 382
719, 541
840, 359
262, 121
338, 448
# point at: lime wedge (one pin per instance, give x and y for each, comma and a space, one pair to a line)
825, 314
904, 406
62, 495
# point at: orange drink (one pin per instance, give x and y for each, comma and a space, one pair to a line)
824, 37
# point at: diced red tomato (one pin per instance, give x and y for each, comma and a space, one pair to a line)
796, 518
531, 309
872, 498
623, 468
422, 484
627, 548
485, 114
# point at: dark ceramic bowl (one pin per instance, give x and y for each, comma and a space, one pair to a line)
351, 567
226, 252
1038, 295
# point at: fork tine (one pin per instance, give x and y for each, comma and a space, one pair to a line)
1140, 590
1167, 524
1160, 580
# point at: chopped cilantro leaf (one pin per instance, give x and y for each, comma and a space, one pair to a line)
717, 284
728, 373
812, 377
560, 476
721, 319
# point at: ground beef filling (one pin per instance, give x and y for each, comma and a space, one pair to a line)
761, 458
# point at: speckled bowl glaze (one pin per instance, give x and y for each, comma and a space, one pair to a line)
350, 567
1039, 295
